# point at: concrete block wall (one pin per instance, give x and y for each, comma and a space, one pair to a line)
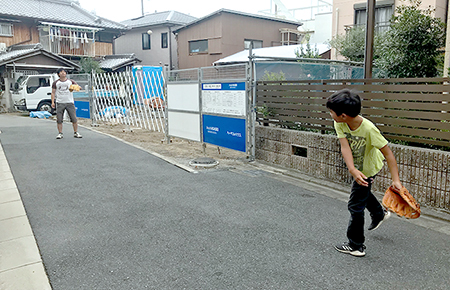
424, 172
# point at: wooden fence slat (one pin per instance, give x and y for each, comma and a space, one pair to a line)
402, 88
293, 93
406, 97
290, 87
302, 114
416, 140
418, 124
408, 105
289, 100
414, 132
405, 114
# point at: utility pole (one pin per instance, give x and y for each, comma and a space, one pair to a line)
370, 28
447, 44
142, 7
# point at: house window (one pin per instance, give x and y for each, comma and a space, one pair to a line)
256, 43
383, 15
6, 29
146, 41
198, 46
164, 40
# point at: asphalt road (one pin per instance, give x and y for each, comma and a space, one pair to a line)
107, 215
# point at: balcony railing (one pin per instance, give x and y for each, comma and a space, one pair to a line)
68, 41
379, 27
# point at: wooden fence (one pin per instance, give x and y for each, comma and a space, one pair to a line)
412, 110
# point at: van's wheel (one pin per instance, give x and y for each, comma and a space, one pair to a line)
46, 106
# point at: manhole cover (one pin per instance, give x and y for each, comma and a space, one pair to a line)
204, 162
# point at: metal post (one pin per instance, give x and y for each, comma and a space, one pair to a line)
166, 102
91, 100
252, 92
370, 25
200, 103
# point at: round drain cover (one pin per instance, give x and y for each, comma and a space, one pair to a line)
205, 162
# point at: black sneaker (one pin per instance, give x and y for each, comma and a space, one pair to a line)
348, 249
376, 223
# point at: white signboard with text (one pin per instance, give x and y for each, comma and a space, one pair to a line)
224, 98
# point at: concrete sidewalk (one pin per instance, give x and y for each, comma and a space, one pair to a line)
138, 222
20, 261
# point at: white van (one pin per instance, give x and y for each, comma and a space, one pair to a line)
34, 92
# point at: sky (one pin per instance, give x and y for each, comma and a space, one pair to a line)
120, 10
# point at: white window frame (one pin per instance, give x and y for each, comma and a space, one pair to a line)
7, 26
247, 43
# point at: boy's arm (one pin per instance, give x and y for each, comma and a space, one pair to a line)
392, 164
53, 98
360, 178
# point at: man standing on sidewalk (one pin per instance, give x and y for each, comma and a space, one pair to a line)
62, 98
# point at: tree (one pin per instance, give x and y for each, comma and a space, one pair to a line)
351, 44
88, 64
410, 47
309, 52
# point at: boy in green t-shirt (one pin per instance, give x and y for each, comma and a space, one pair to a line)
364, 149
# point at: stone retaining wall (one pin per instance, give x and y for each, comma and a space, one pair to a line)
424, 172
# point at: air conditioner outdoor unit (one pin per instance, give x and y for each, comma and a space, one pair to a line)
2, 46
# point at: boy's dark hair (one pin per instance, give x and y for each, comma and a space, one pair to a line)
345, 102
60, 70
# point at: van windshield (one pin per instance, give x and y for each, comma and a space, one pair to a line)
21, 80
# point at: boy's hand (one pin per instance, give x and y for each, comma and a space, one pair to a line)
397, 185
360, 178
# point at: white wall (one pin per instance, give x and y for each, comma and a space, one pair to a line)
323, 28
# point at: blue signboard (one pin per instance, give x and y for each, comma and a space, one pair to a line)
225, 132
82, 109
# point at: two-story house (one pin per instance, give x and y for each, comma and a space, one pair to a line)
225, 32
61, 26
151, 39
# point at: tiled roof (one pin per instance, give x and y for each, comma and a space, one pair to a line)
239, 13
61, 11
19, 51
113, 62
167, 17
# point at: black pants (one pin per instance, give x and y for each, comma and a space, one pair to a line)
361, 197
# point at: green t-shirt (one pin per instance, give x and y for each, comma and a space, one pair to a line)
365, 142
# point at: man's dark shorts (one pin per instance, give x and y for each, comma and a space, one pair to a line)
70, 107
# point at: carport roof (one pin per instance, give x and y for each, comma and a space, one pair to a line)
67, 12
287, 52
